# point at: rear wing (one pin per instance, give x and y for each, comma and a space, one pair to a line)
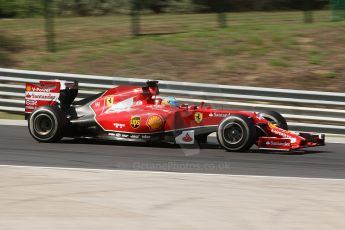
49, 93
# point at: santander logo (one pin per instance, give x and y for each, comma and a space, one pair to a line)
187, 138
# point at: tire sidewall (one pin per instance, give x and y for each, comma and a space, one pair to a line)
57, 122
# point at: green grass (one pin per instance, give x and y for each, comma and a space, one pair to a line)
279, 62
329, 75
5, 115
262, 46
315, 57
232, 51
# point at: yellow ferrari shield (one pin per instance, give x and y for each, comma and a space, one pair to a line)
109, 101
198, 117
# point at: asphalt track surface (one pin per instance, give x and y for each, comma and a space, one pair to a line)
18, 148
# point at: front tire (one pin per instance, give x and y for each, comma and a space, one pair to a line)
236, 133
275, 118
47, 124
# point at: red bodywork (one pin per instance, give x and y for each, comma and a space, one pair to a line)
132, 112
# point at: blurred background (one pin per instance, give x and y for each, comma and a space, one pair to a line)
297, 44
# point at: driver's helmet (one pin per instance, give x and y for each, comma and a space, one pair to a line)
170, 100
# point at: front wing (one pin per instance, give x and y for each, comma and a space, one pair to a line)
305, 140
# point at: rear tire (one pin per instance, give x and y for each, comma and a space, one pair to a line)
47, 124
275, 118
236, 133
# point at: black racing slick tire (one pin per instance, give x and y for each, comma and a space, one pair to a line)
275, 118
236, 133
47, 124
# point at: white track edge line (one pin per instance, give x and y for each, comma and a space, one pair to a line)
171, 173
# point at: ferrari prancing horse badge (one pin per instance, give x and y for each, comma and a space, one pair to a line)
198, 117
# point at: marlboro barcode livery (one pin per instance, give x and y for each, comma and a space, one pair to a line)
134, 113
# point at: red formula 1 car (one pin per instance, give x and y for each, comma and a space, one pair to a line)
132, 113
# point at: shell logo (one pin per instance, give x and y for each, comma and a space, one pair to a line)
28, 88
155, 122
272, 126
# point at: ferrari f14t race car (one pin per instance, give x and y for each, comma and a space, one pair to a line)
134, 113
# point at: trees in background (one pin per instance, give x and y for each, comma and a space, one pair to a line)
136, 7
338, 10
162, 6
259, 5
48, 13
20, 8
92, 7
157, 6
29, 8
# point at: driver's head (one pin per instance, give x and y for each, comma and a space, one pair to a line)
170, 100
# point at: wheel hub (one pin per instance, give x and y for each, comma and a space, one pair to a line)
43, 124
233, 133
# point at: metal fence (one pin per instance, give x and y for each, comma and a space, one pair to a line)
304, 110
